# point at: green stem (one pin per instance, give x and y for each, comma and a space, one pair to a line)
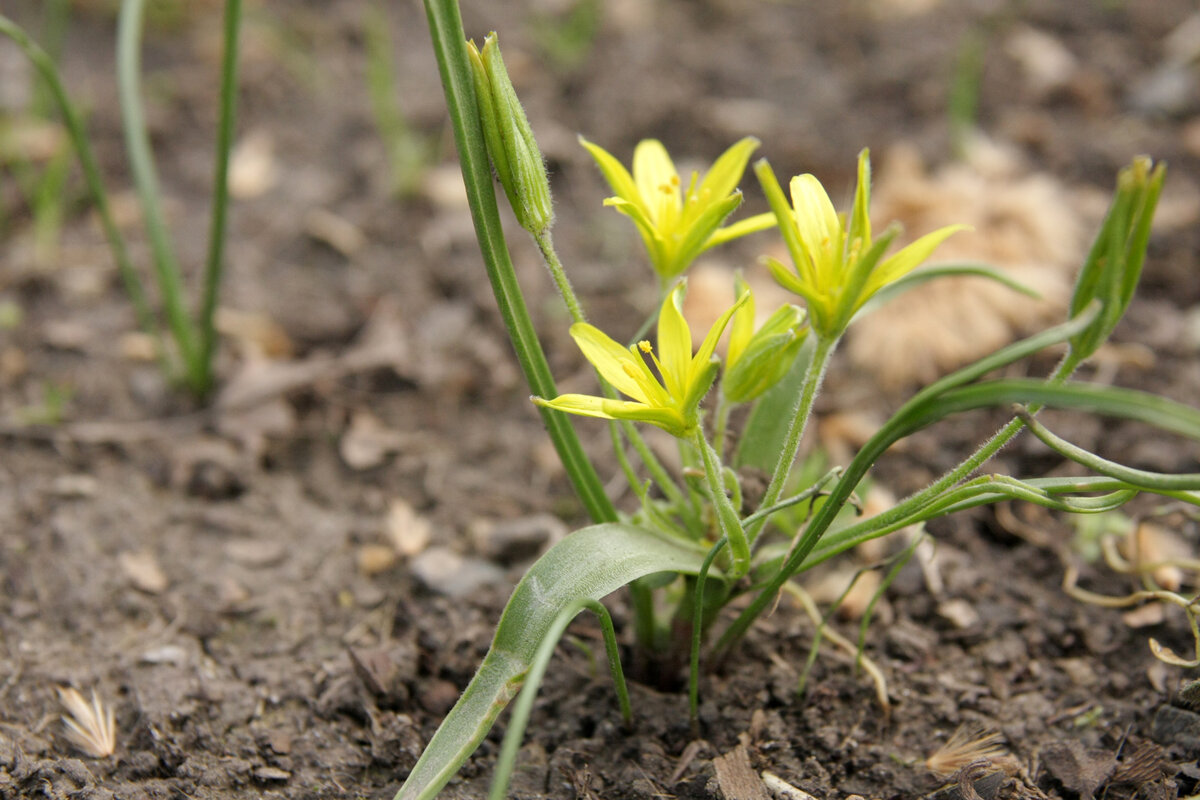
727, 515
645, 623
220, 198
446, 29
95, 184
613, 650
721, 423
546, 244
807, 494
1138, 477
698, 629
137, 142
54, 29
800, 416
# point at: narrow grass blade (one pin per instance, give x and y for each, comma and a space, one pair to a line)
214, 263
141, 163
45, 66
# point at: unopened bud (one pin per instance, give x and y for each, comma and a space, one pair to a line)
757, 360
510, 144
767, 357
1113, 267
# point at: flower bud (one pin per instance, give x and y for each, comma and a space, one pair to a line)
1113, 267
757, 360
510, 144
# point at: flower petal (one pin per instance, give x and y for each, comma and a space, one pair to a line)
709, 345
584, 405
614, 172
742, 330
909, 258
727, 170
860, 218
614, 363
656, 246
674, 342
819, 228
759, 222
657, 182
699, 230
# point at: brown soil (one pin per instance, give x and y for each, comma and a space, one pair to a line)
216, 572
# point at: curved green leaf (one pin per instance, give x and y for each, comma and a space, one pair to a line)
507, 759
588, 564
1112, 401
935, 271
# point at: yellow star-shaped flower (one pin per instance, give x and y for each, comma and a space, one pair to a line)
669, 399
678, 223
837, 268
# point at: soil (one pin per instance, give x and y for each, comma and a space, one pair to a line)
245, 581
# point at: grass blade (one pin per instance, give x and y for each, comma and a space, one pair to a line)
214, 263
141, 163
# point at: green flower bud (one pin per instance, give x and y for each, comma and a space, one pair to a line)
757, 360
1113, 267
510, 143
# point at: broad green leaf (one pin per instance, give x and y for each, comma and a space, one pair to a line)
588, 564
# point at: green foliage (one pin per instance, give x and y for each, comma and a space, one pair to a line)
51, 409
585, 566
962, 106
41, 177
567, 40
702, 519
409, 153
193, 336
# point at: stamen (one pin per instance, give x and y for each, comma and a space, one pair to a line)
644, 346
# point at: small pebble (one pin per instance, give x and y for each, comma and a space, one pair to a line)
375, 559
443, 571
510, 541
256, 552
171, 654
77, 485
271, 774
959, 613
143, 572
408, 531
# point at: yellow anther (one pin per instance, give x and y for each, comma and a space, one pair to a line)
644, 346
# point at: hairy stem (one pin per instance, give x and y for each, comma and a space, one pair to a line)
800, 416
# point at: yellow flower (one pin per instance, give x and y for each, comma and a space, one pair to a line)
837, 269
678, 223
671, 401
